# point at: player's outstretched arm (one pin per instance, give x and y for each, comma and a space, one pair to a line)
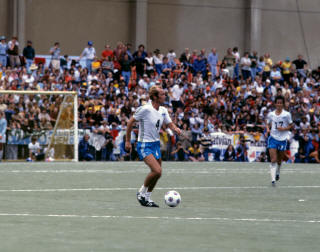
128, 133
174, 128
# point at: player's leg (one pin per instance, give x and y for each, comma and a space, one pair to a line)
272, 146
273, 165
155, 173
280, 157
152, 178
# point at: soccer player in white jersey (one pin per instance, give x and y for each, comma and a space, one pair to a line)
150, 116
279, 124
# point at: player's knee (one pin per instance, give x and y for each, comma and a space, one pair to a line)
158, 173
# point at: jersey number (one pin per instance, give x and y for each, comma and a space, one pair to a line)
158, 124
278, 124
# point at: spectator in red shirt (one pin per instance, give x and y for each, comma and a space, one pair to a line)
107, 52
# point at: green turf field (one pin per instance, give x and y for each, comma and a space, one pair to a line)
92, 207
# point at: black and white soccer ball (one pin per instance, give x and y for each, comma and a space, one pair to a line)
172, 198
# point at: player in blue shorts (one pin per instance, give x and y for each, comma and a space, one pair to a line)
150, 116
279, 124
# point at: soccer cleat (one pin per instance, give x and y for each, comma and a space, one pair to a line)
277, 177
273, 183
141, 199
151, 204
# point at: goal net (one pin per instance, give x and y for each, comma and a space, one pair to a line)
47, 117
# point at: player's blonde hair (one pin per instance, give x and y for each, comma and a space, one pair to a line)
154, 92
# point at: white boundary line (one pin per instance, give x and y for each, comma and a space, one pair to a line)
168, 171
155, 217
158, 188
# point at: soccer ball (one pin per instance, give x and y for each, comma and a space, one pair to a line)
172, 198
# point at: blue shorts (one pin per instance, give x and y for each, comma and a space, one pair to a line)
275, 144
145, 149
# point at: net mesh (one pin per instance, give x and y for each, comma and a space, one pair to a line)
62, 137
47, 117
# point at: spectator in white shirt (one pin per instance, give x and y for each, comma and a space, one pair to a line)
245, 64
89, 53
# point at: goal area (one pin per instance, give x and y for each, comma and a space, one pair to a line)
47, 117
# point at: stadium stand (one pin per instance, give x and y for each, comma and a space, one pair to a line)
229, 95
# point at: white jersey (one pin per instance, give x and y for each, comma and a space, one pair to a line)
150, 122
283, 120
34, 148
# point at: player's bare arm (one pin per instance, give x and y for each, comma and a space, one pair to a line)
174, 128
128, 133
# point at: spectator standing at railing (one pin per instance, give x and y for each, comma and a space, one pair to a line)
300, 65
107, 52
55, 56
235, 52
119, 51
140, 63
89, 53
29, 54
13, 52
254, 64
3, 51
230, 62
213, 59
245, 64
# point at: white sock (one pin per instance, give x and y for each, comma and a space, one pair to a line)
143, 190
273, 167
148, 196
278, 169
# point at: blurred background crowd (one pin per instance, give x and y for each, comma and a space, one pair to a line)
207, 92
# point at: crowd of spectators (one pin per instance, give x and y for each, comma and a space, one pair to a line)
206, 92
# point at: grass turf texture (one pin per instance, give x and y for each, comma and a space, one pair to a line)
92, 207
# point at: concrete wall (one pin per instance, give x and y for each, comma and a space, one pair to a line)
74, 22
196, 24
4, 17
287, 28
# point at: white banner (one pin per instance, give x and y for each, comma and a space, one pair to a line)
256, 144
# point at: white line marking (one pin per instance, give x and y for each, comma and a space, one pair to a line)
168, 171
158, 188
156, 217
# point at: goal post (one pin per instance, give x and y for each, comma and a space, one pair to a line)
64, 135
